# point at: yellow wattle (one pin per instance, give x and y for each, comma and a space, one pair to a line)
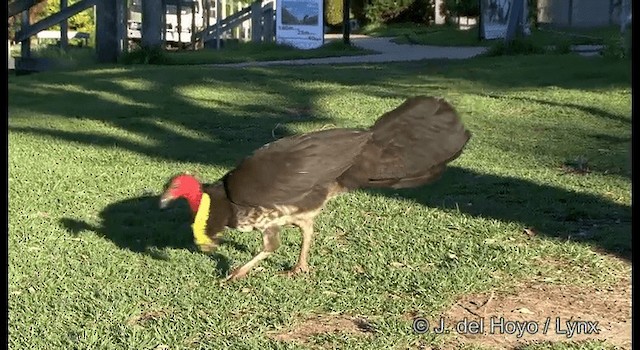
200, 222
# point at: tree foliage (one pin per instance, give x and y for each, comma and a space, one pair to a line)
333, 12
82, 22
394, 11
461, 8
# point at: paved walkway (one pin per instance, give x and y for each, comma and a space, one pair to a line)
388, 52
392, 52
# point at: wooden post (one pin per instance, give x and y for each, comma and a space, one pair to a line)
206, 13
106, 31
218, 20
256, 25
179, 18
25, 45
64, 26
268, 23
206, 19
480, 20
163, 23
237, 30
223, 11
233, 9
151, 24
193, 25
346, 25
121, 19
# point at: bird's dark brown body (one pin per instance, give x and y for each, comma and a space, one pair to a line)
290, 180
246, 218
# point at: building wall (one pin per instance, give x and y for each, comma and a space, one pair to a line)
590, 13
575, 13
554, 12
578, 13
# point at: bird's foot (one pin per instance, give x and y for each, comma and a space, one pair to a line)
298, 269
235, 275
208, 247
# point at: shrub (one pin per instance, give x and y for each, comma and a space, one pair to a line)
357, 9
562, 47
518, 46
618, 48
145, 55
395, 11
460, 8
419, 11
532, 12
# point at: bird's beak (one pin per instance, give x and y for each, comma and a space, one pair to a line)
165, 200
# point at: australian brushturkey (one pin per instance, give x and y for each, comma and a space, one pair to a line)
289, 181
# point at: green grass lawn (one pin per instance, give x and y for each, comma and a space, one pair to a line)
236, 53
451, 36
94, 264
75, 58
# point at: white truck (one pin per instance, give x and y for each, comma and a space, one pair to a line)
192, 19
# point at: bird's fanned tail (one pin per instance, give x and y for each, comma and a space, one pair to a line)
411, 146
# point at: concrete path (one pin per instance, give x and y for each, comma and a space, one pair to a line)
387, 52
407, 52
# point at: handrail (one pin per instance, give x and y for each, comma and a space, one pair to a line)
224, 24
54, 19
232, 21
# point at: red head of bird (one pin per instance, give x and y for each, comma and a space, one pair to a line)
183, 186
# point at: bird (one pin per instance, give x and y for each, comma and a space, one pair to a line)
290, 180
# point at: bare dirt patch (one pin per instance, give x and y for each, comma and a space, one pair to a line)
512, 320
324, 324
146, 316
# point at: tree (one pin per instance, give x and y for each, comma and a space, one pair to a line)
333, 12
460, 8
394, 11
82, 22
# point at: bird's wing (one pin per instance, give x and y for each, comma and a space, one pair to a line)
284, 171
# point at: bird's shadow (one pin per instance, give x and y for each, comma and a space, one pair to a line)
138, 225
553, 212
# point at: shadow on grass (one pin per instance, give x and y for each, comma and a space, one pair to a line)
138, 225
601, 113
158, 104
162, 114
551, 212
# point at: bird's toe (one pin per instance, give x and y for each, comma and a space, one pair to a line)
235, 275
298, 269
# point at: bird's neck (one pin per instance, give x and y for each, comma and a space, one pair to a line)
194, 198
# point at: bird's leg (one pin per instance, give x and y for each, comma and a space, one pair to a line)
209, 247
306, 226
270, 242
